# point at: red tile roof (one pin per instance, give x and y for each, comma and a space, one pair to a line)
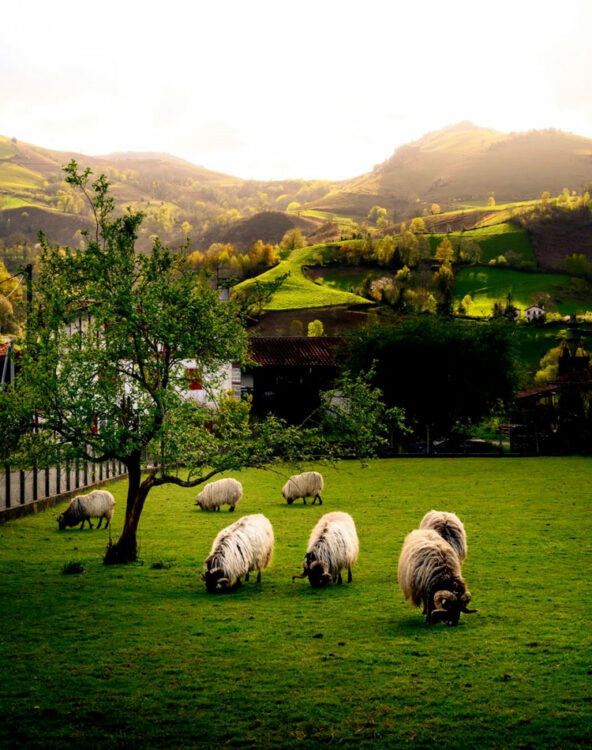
301, 351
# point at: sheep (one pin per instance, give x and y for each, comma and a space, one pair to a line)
429, 574
243, 546
450, 528
96, 504
333, 545
308, 484
223, 492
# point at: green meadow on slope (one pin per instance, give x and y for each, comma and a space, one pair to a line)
141, 655
488, 285
297, 291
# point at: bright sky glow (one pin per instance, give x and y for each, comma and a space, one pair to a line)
270, 89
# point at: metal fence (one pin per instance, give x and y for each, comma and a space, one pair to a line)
20, 488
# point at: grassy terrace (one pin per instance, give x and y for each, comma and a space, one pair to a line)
486, 285
141, 656
297, 291
493, 240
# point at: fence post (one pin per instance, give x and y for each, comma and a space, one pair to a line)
77, 476
47, 481
101, 472
35, 477
7, 481
67, 477
58, 480
22, 488
85, 473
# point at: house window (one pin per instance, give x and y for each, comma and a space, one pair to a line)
194, 380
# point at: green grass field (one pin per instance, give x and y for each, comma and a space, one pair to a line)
493, 240
486, 285
297, 291
142, 656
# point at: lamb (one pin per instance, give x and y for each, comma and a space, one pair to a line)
333, 545
96, 504
308, 484
450, 528
429, 574
223, 492
238, 549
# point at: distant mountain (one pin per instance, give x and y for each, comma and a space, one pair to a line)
458, 165
177, 197
464, 163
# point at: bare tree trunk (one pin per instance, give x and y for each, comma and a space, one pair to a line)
125, 550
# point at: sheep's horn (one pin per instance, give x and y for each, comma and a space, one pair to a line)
303, 575
441, 596
465, 599
223, 580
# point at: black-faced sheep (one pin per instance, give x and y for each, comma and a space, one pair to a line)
308, 484
450, 528
243, 546
333, 545
223, 492
96, 504
429, 575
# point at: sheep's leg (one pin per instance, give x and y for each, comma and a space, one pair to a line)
304, 500
89, 523
247, 576
107, 524
259, 576
349, 575
100, 522
339, 580
231, 509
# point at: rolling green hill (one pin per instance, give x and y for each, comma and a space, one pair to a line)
488, 285
299, 292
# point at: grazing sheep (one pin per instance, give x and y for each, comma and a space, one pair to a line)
223, 492
308, 484
450, 527
333, 545
429, 574
97, 504
241, 547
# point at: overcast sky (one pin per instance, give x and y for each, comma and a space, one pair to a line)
271, 89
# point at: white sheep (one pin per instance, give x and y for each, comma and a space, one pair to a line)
450, 528
243, 546
333, 545
308, 484
222, 492
96, 504
429, 574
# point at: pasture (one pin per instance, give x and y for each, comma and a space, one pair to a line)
297, 291
487, 285
142, 656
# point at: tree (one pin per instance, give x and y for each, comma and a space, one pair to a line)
491, 200
435, 208
444, 251
316, 328
292, 240
115, 388
441, 372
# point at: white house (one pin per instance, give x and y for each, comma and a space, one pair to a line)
533, 312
